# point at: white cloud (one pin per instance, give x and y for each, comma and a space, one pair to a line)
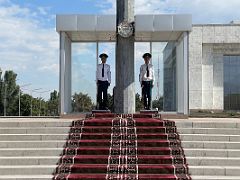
43, 10
107, 48
140, 49
3, 1
83, 49
50, 68
27, 47
203, 11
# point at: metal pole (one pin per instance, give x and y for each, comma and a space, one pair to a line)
40, 106
97, 52
32, 97
158, 83
19, 100
151, 61
40, 103
150, 47
31, 103
19, 103
5, 98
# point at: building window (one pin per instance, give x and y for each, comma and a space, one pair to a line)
169, 59
231, 82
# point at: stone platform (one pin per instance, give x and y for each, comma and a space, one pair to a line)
30, 147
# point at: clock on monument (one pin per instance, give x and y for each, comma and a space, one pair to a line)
125, 29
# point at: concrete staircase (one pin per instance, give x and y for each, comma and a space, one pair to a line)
30, 148
212, 148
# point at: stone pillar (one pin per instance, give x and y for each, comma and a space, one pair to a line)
124, 93
65, 83
186, 72
182, 74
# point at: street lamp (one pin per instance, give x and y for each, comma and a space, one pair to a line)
5, 95
19, 100
5, 99
33, 90
40, 103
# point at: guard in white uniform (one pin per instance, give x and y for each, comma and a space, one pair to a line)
103, 80
146, 78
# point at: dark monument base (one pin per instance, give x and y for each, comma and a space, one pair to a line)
151, 111
100, 111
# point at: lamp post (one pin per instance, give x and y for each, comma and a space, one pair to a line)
5, 99
2, 84
19, 98
5, 93
33, 90
40, 103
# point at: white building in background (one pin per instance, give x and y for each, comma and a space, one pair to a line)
214, 67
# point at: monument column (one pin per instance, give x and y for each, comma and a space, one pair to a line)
124, 93
65, 74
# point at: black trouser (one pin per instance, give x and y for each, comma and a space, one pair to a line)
147, 94
102, 97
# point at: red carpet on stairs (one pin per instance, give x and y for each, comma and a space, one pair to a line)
122, 147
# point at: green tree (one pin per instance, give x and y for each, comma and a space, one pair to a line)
35, 106
158, 104
110, 102
1, 93
43, 107
53, 104
25, 105
9, 94
82, 103
139, 103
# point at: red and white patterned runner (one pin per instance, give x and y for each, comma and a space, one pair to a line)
122, 160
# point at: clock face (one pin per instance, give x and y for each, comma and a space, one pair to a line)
125, 29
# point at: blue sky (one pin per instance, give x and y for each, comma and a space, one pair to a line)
29, 42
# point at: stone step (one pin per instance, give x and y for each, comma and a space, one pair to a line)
215, 170
30, 151
226, 131
211, 144
39, 122
49, 177
60, 144
57, 151
52, 160
49, 169
62, 130
184, 137
213, 161
35, 122
209, 137
34, 130
215, 177
32, 144
32, 137
29, 160
26, 177
208, 124
28, 170
65, 130
189, 152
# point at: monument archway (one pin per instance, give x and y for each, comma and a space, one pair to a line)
148, 28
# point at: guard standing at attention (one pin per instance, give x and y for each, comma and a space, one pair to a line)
146, 78
103, 80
